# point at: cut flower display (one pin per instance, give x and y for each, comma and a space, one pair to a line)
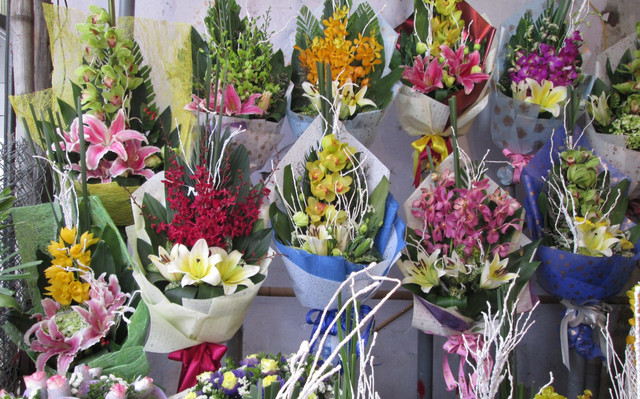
333, 213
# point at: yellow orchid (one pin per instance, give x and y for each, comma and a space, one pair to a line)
197, 265
316, 171
494, 273
341, 184
548, 97
334, 216
323, 190
232, 270
315, 209
425, 273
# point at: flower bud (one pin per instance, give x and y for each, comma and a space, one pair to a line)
153, 161
363, 228
421, 48
301, 219
336, 252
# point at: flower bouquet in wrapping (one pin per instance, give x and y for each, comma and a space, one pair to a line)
615, 108
445, 51
334, 214
121, 121
239, 52
537, 65
81, 292
356, 44
86, 383
201, 250
464, 245
576, 203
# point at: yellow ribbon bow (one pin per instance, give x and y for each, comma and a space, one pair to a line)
436, 143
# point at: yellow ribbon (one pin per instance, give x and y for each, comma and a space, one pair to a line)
437, 144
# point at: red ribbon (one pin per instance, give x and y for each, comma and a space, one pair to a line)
197, 360
456, 345
518, 161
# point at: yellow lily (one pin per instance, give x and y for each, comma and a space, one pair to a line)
196, 266
494, 273
548, 97
425, 273
232, 270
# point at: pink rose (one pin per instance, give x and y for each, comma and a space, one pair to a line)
35, 382
117, 391
57, 386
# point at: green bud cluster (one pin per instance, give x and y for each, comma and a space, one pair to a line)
110, 72
580, 168
628, 125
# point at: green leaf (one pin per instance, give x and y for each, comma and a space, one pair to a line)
308, 27
175, 295
137, 329
378, 201
381, 91
8, 301
128, 363
154, 213
618, 197
281, 224
102, 261
421, 18
144, 250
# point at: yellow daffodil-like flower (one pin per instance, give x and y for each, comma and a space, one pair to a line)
351, 101
633, 322
425, 273
595, 239
163, 260
316, 240
323, 190
79, 291
233, 272
494, 273
548, 97
196, 266
268, 380
315, 209
548, 393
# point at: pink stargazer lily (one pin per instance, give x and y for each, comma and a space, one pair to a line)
466, 73
134, 164
232, 103
102, 172
424, 80
102, 139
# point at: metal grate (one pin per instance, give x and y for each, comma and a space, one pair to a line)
19, 171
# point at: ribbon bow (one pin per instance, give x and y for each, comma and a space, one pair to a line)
439, 147
593, 316
326, 324
196, 360
518, 161
456, 345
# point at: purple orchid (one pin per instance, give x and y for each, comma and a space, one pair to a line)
423, 79
135, 162
102, 139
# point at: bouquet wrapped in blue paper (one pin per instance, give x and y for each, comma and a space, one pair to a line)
334, 214
576, 204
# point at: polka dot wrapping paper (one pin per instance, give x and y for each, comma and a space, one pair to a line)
579, 278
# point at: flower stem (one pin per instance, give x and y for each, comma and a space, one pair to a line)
453, 116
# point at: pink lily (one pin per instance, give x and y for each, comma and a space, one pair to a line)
134, 164
103, 139
102, 172
51, 342
233, 105
470, 72
454, 59
424, 80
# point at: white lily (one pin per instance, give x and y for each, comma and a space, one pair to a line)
197, 266
312, 93
425, 273
351, 101
494, 273
233, 272
316, 242
163, 260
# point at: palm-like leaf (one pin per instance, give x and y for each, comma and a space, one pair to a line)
308, 27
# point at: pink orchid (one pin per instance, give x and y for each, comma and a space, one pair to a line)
424, 80
102, 139
134, 164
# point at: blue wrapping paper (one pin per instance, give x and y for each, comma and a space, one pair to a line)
315, 278
578, 278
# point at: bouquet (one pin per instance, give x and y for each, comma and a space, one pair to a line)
239, 52
445, 51
464, 249
347, 60
334, 213
615, 109
538, 64
85, 382
122, 125
577, 205
82, 292
201, 251
255, 373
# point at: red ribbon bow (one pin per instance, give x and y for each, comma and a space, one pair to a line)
518, 161
196, 360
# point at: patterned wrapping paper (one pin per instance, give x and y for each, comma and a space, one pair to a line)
448, 322
420, 114
579, 278
613, 148
316, 278
172, 326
